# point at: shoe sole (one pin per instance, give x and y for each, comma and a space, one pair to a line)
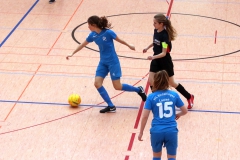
108, 112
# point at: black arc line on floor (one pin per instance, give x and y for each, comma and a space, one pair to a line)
74, 30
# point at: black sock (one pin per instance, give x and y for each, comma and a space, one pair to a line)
182, 90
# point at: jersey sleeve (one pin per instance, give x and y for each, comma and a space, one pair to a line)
179, 102
112, 34
148, 104
90, 37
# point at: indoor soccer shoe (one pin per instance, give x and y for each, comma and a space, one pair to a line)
142, 93
190, 102
108, 109
51, 1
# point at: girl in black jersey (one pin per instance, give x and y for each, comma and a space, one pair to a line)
164, 33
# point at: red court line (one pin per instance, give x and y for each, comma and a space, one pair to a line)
136, 123
67, 115
40, 64
215, 39
65, 27
22, 93
142, 104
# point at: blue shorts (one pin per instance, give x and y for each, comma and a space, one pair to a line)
104, 69
168, 139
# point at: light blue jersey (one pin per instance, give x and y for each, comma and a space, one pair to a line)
162, 104
104, 40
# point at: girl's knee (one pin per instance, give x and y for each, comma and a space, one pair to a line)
118, 87
97, 84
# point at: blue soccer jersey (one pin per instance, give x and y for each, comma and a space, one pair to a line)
162, 104
104, 40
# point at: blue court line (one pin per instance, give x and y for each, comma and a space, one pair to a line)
61, 104
130, 33
91, 77
18, 23
100, 106
63, 75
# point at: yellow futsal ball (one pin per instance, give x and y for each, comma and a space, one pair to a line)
74, 100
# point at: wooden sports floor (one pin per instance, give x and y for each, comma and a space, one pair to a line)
36, 122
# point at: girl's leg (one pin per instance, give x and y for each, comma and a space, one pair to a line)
150, 79
157, 155
171, 143
182, 90
129, 88
171, 157
98, 84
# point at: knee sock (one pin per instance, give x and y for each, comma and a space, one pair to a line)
129, 88
154, 158
105, 96
171, 159
182, 90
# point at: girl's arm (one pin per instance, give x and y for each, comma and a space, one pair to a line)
78, 48
150, 46
163, 54
145, 116
125, 43
182, 113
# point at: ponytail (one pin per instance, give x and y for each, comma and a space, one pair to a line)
160, 18
100, 22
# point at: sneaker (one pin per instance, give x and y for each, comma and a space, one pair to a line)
51, 1
142, 93
108, 109
190, 102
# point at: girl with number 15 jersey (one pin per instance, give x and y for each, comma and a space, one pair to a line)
162, 103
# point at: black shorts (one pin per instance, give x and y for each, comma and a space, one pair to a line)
164, 63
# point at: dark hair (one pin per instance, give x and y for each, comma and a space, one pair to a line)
100, 22
161, 81
160, 18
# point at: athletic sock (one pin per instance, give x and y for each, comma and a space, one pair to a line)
102, 91
129, 88
182, 90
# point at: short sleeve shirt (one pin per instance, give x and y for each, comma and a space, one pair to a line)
162, 104
158, 38
105, 43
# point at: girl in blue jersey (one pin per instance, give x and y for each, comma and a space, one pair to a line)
162, 103
103, 36
164, 33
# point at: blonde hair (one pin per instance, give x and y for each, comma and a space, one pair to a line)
160, 18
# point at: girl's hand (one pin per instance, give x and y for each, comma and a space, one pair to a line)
144, 50
140, 137
150, 57
68, 56
132, 47
177, 117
